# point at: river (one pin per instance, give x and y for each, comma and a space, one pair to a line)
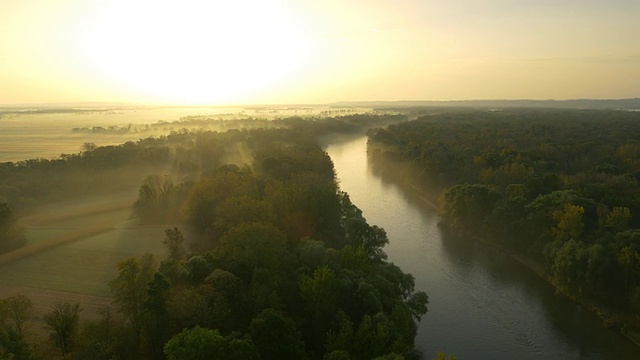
482, 304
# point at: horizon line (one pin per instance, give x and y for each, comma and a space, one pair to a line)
333, 103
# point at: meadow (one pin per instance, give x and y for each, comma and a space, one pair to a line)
72, 255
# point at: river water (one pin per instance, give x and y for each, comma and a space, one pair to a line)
482, 304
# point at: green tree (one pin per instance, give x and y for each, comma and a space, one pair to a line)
236, 210
206, 195
276, 336
63, 320
156, 315
102, 339
203, 344
15, 311
467, 206
373, 238
254, 245
569, 223
154, 201
319, 293
198, 268
231, 292
195, 344
129, 290
618, 219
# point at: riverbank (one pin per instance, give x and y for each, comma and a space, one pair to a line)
417, 189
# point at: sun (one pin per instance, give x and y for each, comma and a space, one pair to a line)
195, 52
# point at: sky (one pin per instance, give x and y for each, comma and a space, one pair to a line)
211, 52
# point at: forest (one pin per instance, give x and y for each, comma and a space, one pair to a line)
270, 261
557, 189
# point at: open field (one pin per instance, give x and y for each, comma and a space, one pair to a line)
33, 133
37, 132
86, 265
73, 251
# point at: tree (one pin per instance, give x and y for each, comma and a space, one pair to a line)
156, 315
195, 344
17, 310
174, 242
241, 209
155, 197
618, 219
88, 147
418, 304
442, 356
357, 232
467, 206
206, 195
232, 294
63, 320
14, 313
11, 234
103, 339
130, 289
375, 336
203, 344
319, 293
337, 355
252, 245
276, 336
569, 222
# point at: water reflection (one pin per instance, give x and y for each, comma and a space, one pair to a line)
483, 304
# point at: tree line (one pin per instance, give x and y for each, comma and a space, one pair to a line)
559, 187
280, 265
177, 156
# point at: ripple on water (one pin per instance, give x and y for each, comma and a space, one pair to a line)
482, 305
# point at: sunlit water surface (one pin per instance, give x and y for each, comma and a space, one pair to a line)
482, 304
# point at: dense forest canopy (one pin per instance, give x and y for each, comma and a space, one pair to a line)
557, 186
281, 264
186, 151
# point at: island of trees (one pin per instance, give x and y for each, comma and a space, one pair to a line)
557, 189
279, 263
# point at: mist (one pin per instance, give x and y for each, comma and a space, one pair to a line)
242, 211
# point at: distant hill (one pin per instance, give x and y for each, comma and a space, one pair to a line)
626, 104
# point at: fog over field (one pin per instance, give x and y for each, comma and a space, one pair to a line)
205, 179
74, 242
46, 131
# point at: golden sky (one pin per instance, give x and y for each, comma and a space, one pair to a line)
302, 51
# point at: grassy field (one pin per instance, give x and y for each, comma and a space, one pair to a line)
84, 265
73, 251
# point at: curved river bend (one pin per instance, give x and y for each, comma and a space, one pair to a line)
482, 304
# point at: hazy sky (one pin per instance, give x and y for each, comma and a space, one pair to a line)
303, 51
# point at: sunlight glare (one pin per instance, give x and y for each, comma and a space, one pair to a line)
195, 51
